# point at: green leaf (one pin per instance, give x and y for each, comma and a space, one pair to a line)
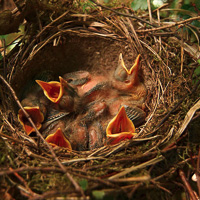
98, 194
158, 3
197, 70
196, 75
197, 3
1, 57
83, 183
3, 37
139, 4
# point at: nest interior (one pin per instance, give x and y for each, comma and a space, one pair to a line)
95, 54
152, 165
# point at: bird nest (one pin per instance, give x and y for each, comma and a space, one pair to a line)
155, 162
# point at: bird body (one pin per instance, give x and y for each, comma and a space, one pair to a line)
85, 110
83, 81
35, 104
61, 94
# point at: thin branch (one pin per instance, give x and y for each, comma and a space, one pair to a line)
187, 185
169, 26
77, 187
197, 172
177, 105
42, 31
123, 14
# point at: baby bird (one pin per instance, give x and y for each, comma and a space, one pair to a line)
128, 81
36, 106
77, 134
57, 138
83, 81
53, 129
64, 97
84, 131
120, 128
132, 92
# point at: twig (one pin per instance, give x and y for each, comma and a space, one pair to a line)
123, 14
182, 51
161, 187
187, 185
40, 33
149, 8
197, 172
58, 170
133, 168
132, 179
23, 181
142, 157
169, 26
177, 105
29, 169
4, 58
56, 193
173, 169
77, 187
141, 50
16, 140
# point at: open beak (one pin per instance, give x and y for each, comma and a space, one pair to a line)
35, 114
120, 128
58, 139
123, 74
135, 65
53, 90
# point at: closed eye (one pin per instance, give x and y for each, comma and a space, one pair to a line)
69, 80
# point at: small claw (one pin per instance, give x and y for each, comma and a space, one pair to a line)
58, 139
52, 90
35, 114
120, 128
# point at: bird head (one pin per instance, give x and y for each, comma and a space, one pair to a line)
126, 78
78, 78
53, 90
35, 114
58, 139
120, 128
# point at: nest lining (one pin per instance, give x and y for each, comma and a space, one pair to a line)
78, 48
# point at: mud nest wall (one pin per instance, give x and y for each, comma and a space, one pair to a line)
73, 53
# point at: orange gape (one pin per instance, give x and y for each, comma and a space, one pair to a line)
120, 128
52, 90
58, 139
35, 114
